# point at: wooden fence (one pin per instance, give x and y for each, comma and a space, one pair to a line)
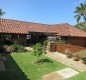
62, 47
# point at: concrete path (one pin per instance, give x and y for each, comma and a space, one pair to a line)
53, 76
67, 72
61, 74
77, 65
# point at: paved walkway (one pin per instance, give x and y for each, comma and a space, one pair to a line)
61, 74
53, 76
67, 72
77, 65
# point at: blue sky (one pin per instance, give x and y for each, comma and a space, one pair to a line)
41, 11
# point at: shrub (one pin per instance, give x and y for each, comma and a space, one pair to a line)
8, 48
45, 46
45, 43
76, 56
83, 56
68, 53
18, 48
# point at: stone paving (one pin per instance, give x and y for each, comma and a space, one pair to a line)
53, 76
67, 72
61, 74
77, 65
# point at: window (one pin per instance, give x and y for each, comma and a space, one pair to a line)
7, 37
28, 36
52, 38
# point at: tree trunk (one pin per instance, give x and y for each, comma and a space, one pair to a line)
37, 60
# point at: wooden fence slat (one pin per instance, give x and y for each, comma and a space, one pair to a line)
61, 48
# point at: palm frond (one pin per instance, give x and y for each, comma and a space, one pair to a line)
1, 12
80, 12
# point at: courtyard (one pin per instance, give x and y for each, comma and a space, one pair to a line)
20, 66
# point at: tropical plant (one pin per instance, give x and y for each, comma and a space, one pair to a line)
81, 25
80, 12
37, 51
1, 12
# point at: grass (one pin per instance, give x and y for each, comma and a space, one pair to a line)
20, 66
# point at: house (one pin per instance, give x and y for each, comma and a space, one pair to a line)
25, 32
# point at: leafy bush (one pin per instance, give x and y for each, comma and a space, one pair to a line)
45, 46
45, 43
8, 48
18, 48
81, 55
76, 56
68, 53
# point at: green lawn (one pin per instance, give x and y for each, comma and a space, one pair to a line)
20, 66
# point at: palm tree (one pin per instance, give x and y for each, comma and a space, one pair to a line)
80, 12
1, 13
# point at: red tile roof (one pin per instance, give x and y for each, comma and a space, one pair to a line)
22, 27
68, 30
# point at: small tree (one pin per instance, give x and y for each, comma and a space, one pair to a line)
37, 51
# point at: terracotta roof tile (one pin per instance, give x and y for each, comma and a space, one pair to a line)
22, 27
